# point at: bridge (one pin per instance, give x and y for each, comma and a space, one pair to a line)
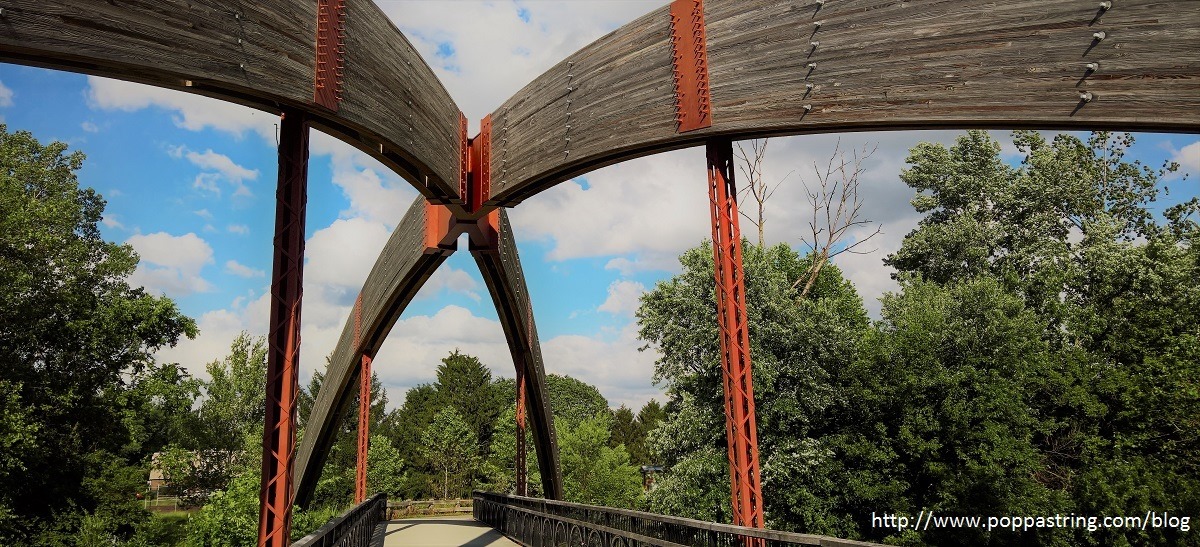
689, 74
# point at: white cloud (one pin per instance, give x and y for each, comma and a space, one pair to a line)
192, 112
111, 221
1188, 159
89, 127
492, 44
452, 280
240, 229
623, 298
171, 264
222, 164
339, 257
616, 367
204, 214
6, 96
207, 182
218, 168
241, 270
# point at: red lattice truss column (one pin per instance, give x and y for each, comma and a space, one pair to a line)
283, 343
740, 427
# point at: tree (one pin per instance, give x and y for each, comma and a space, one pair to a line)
798, 346
1073, 233
385, 468
753, 183
572, 400
335, 487
465, 383
836, 210
594, 472
452, 449
235, 405
71, 327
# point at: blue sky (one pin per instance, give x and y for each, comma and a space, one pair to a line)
190, 183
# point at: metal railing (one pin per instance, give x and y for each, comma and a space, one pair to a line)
352, 529
543, 522
538, 522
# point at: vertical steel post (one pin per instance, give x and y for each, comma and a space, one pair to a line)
364, 430
283, 343
740, 427
522, 479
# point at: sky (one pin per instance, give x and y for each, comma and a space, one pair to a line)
190, 182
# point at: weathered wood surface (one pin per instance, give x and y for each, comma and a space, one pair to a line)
401, 269
260, 54
880, 64
505, 281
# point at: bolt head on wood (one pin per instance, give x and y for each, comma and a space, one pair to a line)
1099, 35
1086, 96
1105, 5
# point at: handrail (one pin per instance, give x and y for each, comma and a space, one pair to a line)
354, 528
536, 521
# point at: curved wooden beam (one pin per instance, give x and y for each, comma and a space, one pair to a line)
501, 268
263, 55
879, 65
406, 262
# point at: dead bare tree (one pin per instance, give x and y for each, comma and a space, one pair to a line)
752, 174
836, 209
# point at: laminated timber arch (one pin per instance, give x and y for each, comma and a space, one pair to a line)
873, 65
421, 242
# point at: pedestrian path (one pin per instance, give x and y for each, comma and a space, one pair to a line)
456, 531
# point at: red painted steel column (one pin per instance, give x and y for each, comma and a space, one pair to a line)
522, 479
364, 430
283, 343
740, 428
364, 409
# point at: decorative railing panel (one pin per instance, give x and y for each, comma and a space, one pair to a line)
537, 522
354, 528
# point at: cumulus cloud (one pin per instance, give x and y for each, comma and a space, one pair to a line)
89, 127
171, 264
217, 168
6, 96
1188, 159
241, 270
452, 280
191, 112
110, 220
240, 229
623, 298
504, 44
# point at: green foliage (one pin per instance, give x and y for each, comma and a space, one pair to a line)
235, 404
451, 448
574, 401
1041, 357
230, 518
72, 331
335, 487
465, 385
594, 472
385, 468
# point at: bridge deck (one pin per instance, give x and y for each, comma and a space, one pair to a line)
438, 532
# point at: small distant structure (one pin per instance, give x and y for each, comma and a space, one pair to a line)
157, 479
648, 472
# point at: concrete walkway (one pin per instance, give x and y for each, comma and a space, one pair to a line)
453, 531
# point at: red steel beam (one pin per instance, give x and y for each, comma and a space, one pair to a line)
689, 60
740, 428
331, 53
522, 479
364, 430
283, 343
364, 410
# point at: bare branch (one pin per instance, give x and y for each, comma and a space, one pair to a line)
836, 210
